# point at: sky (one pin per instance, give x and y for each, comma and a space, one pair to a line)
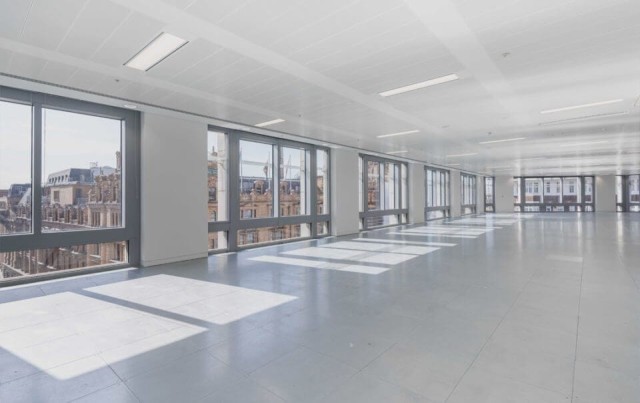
70, 140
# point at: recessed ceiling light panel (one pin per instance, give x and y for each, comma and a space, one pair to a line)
398, 134
163, 46
461, 155
502, 141
570, 108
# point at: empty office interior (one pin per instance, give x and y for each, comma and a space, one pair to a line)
319, 201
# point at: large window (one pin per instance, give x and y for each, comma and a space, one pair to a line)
384, 182
489, 194
438, 203
554, 194
68, 185
468, 193
628, 193
273, 200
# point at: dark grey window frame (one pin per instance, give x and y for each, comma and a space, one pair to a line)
446, 209
235, 223
401, 213
473, 206
543, 206
130, 231
625, 206
493, 194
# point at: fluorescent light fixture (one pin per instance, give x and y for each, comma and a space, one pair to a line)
130, 106
570, 108
270, 122
461, 155
423, 84
588, 143
502, 141
398, 134
397, 152
580, 118
156, 51
454, 165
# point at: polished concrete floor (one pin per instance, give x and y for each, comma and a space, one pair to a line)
532, 308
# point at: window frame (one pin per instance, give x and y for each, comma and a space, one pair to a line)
468, 208
400, 212
235, 223
445, 187
130, 214
546, 206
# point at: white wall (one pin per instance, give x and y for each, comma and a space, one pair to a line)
416, 193
345, 214
173, 190
455, 194
504, 194
606, 193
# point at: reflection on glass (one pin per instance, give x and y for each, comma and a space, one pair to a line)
15, 168
255, 236
41, 261
256, 180
217, 176
81, 172
293, 183
373, 185
322, 181
217, 240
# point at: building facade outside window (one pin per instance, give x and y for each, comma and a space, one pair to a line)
628, 193
489, 194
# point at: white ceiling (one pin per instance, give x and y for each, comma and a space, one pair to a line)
321, 64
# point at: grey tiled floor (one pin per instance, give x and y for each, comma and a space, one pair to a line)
542, 308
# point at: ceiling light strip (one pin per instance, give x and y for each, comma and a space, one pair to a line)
570, 108
398, 134
420, 85
502, 141
269, 123
461, 155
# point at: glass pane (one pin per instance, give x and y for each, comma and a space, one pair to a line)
256, 236
218, 240
488, 190
256, 180
373, 185
633, 184
15, 168
429, 188
553, 190
516, 192
293, 183
373, 222
81, 171
533, 190
360, 184
41, 261
217, 174
322, 181
588, 189
405, 184
619, 196
323, 228
572, 190
391, 186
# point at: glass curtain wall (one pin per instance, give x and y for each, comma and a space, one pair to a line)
438, 204
260, 190
68, 185
628, 193
468, 193
554, 194
489, 194
384, 183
